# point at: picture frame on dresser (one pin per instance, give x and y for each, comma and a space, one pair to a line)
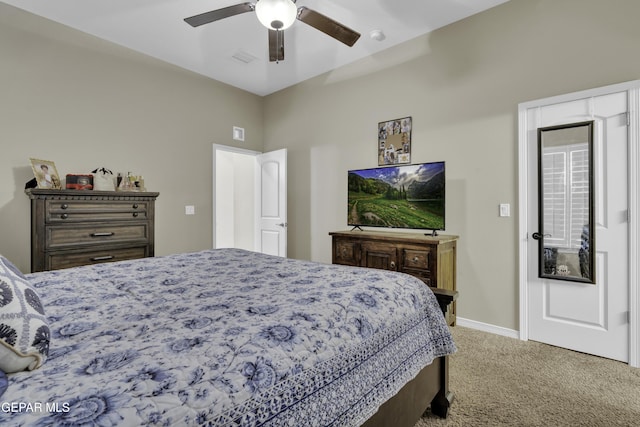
46, 174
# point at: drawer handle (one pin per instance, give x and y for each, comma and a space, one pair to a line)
64, 216
64, 206
392, 264
135, 206
135, 214
102, 258
416, 259
107, 234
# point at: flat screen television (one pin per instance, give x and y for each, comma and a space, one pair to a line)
404, 196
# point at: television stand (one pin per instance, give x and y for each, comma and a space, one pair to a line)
430, 259
433, 233
357, 227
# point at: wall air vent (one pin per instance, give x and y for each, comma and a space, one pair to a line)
238, 133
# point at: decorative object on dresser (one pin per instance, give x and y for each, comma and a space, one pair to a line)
103, 180
79, 182
432, 259
46, 174
74, 227
130, 182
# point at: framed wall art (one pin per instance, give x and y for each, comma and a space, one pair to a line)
46, 174
394, 142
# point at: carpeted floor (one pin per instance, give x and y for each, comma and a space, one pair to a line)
500, 381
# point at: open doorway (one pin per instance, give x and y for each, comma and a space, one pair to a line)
250, 200
233, 197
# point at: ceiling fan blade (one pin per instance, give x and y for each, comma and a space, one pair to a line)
328, 26
216, 15
276, 45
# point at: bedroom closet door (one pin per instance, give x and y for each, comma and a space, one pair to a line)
577, 298
271, 212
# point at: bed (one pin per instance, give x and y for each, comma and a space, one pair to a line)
228, 337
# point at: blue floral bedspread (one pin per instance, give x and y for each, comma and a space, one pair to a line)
223, 338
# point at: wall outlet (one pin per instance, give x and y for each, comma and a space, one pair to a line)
189, 210
505, 209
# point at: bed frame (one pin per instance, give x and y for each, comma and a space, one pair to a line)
429, 389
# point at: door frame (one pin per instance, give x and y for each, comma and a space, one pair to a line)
633, 95
230, 149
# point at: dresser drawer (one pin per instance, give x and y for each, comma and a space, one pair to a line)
57, 211
58, 260
425, 276
61, 236
415, 259
416, 263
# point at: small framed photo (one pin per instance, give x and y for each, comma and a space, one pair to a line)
394, 142
46, 174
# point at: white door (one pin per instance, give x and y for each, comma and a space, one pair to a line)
271, 203
587, 317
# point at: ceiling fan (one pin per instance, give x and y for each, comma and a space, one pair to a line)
278, 15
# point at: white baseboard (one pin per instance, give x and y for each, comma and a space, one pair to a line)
485, 327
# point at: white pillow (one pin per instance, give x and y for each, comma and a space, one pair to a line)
24, 331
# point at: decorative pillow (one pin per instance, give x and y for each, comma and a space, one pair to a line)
4, 383
24, 331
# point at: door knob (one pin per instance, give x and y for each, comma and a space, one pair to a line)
282, 224
539, 236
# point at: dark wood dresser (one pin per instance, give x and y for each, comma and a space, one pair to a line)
432, 259
70, 228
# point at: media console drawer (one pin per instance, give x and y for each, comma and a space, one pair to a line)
418, 259
432, 259
70, 228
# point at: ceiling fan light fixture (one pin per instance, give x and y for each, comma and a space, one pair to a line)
276, 14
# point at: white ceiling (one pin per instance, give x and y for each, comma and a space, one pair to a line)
156, 28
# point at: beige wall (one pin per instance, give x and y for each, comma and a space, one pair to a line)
462, 85
84, 103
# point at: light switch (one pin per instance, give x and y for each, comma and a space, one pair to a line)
189, 210
505, 209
